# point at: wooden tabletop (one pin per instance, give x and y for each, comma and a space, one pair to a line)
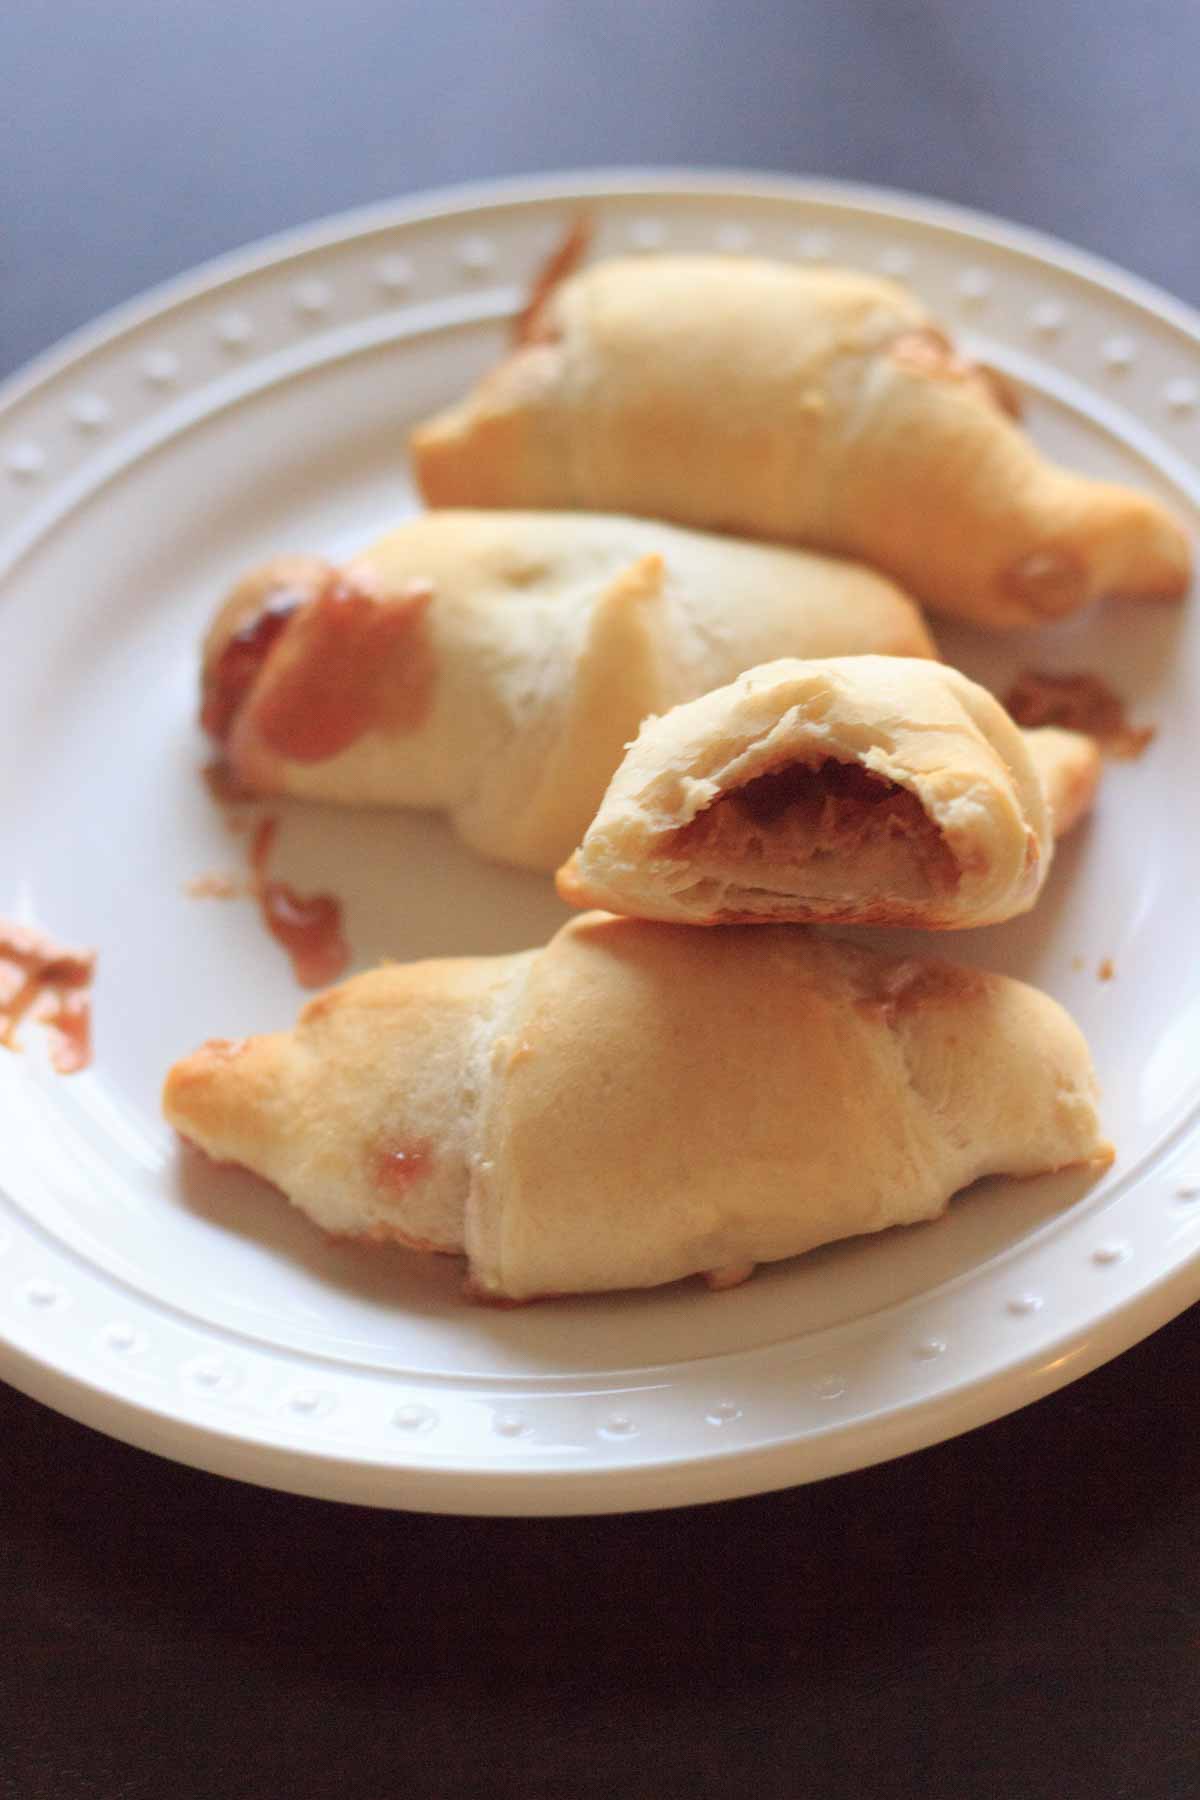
1015, 1613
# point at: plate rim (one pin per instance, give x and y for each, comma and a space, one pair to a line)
699, 1476
670, 1482
608, 182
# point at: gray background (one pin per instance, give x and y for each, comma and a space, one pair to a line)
141, 136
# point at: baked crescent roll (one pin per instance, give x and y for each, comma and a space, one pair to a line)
812, 406
635, 1103
861, 790
495, 665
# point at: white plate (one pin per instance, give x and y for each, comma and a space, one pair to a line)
263, 405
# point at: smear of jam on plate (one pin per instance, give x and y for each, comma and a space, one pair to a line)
308, 926
41, 980
214, 886
1078, 703
223, 785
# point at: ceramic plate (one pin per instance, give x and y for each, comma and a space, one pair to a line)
263, 404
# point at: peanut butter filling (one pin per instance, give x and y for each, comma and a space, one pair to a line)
821, 832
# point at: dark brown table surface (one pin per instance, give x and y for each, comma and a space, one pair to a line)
1013, 1613
1016, 1613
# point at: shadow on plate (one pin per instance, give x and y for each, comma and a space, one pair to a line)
829, 1287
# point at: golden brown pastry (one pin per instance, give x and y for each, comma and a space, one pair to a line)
1069, 765
811, 406
635, 1103
857, 790
495, 665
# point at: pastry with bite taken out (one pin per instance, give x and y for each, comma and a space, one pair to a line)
864, 790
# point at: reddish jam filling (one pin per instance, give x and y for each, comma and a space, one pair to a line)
530, 325
223, 784
399, 1165
351, 663
228, 683
40, 980
355, 663
308, 927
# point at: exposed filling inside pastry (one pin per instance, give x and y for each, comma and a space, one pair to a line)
816, 831
231, 674
349, 661
254, 617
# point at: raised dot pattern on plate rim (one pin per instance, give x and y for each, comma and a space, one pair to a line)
313, 300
